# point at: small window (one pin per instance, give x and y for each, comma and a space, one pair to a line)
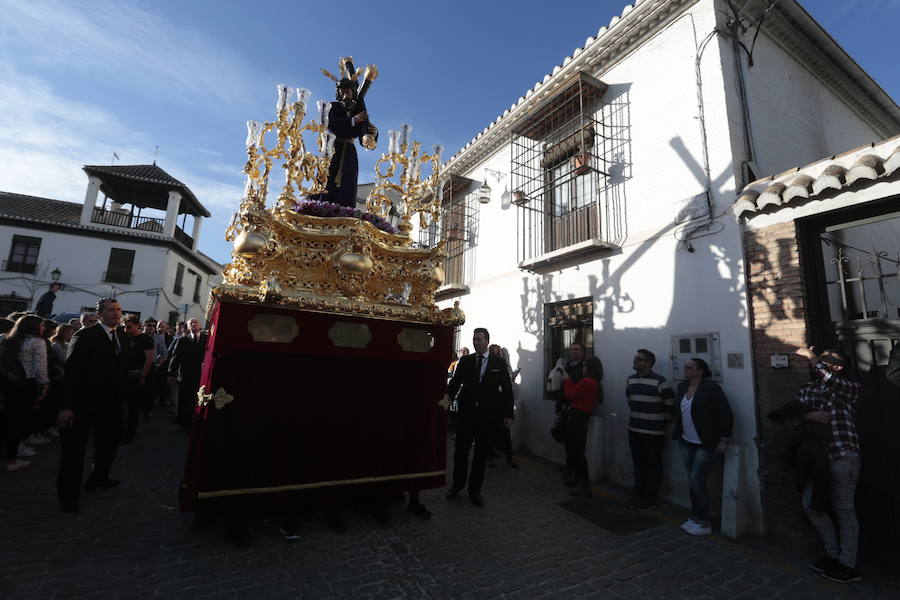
118, 269
178, 288
566, 323
196, 289
23, 254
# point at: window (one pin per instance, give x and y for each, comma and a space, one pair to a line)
558, 167
196, 288
178, 288
457, 227
118, 269
23, 254
564, 324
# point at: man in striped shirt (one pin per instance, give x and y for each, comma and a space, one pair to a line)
652, 405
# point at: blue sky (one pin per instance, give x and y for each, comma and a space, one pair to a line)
81, 80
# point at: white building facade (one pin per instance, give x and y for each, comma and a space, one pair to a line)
130, 245
609, 217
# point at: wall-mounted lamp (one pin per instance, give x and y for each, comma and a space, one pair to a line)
55, 274
484, 193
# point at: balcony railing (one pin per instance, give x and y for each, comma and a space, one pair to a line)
184, 238
127, 220
137, 223
19, 267
117, 277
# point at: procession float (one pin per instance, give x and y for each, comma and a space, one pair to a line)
325, 368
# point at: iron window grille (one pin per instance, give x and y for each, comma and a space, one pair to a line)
457, 227
565, 323
178, 288
558, 167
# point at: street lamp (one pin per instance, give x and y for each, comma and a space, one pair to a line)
55, 274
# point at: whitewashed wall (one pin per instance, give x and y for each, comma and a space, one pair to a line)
655, 288
796, 120
83, 259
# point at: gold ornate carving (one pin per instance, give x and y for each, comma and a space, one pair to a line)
334, 264
219, 399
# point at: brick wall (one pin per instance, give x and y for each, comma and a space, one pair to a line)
777, 294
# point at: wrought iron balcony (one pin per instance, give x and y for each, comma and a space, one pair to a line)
114, 218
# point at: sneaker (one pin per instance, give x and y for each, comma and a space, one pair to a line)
17, 465
841, 574
26, 451
289, 536
698, 529
823, 564
690, 523
36, 439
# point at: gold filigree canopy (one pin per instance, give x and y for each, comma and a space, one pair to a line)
337, 264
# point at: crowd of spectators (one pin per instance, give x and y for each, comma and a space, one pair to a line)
39, 391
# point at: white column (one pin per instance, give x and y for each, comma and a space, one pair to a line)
196, 233
90, 200
172, 214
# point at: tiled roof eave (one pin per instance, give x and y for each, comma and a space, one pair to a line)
601, 51
861, 167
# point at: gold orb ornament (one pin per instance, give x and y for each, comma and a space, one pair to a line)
368, 141
250, 243
438, 275
356, 262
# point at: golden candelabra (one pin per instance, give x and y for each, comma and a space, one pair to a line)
401, 169
341, 264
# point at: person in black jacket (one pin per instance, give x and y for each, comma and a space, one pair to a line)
485, 399
893, 367
91, 400
185, 364
702, 427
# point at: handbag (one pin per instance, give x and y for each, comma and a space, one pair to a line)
560, 426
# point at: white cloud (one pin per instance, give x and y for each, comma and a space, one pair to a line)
123, 41
45, 140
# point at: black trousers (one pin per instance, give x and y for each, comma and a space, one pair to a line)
187, 399
469, 429
107, 428
135, 403
647, 456
576, 443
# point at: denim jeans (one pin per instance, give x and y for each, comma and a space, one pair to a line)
697, 462
844, 473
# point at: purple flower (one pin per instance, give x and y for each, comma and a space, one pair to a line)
318, 208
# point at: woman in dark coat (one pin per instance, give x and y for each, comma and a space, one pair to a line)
702, 427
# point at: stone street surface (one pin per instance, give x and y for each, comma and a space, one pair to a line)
132, 542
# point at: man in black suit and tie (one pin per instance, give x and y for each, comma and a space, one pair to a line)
91, 400
185, 364
485, 401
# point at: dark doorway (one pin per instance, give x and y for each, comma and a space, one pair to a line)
852, 264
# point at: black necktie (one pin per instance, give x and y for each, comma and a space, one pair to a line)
480, 364
115, 340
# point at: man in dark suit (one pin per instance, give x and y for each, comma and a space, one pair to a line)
485, 400
91, 400
185, 364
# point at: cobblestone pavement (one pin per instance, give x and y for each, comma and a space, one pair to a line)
132, 542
